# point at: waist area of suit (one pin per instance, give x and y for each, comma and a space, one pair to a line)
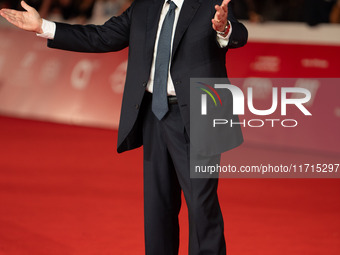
172, 100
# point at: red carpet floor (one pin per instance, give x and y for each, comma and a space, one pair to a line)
65, 191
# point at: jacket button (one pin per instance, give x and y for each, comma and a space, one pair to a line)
144, 84
177, 82
137, 106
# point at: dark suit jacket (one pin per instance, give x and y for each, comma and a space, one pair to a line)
195, 53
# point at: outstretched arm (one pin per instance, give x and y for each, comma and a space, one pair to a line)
112, 36
28, 20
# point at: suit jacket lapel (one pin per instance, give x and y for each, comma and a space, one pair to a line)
188, 11
153, 15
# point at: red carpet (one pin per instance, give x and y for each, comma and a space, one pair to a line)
65, 191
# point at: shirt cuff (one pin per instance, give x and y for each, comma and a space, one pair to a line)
224, 40
48, 28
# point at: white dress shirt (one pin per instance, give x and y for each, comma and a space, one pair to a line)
49, 29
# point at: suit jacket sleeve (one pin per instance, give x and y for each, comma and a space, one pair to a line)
239, 35
112, 36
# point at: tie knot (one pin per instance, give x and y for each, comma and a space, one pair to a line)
173, 6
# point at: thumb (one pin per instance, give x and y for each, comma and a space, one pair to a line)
26, 6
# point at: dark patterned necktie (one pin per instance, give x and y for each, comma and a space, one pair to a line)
159, 98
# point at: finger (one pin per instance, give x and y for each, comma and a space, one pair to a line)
12, 21
218, 11
224, 8
9, 14
214, 24
216, 19
217, 25
9, 11
225, 2
223, 16
11, 17
26, 6
219, 16
224, 5
214, 27
5, 15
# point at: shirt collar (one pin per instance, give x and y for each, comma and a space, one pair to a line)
178, 3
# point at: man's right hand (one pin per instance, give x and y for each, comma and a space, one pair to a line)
28, 20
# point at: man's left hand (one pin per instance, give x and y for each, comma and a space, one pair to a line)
220, 20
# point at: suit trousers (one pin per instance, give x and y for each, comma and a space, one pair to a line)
166, 148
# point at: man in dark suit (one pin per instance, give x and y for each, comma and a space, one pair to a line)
169, 43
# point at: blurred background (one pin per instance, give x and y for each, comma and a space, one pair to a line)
79, 11
65, 190
312, 12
